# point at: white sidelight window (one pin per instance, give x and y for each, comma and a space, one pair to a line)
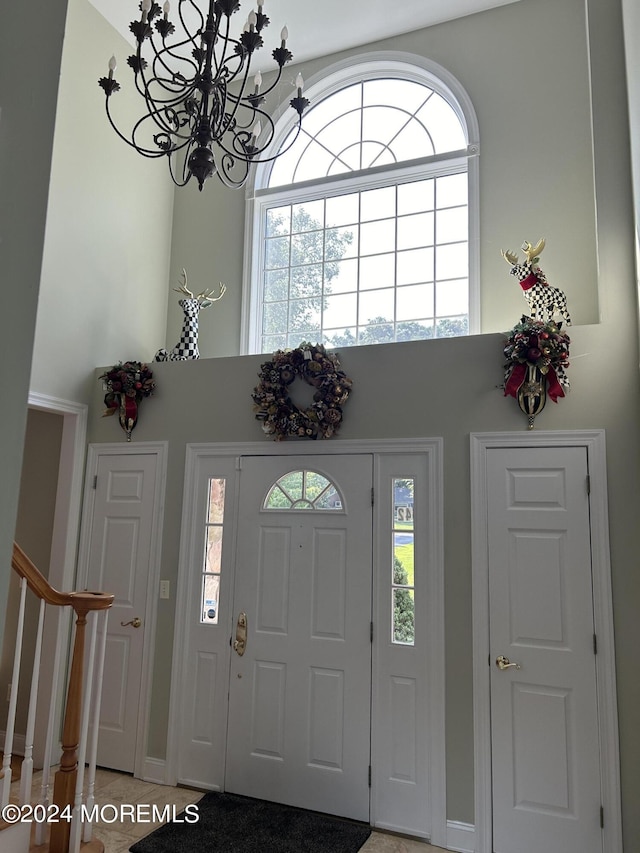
212, 566
402, 583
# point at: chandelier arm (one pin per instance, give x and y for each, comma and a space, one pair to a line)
220, 62
218, 125
170, 51
143, 86
158, 59
270, 88
257, 114
280, 150
156, 110
140, 78
190, 36
165, 94
153, 106
225, 60
146, 152
224, 171
167, 119
238, 101
186, 175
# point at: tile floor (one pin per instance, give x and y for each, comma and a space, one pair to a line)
118, 788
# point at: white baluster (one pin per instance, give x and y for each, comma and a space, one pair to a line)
76, 825
41, 827
13, 698
26, 773
87, 829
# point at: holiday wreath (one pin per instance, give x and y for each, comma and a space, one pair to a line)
540, 345
273, 406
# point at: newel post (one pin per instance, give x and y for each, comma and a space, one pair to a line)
65, 779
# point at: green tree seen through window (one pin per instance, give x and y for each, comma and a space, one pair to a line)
403, 606
297, 276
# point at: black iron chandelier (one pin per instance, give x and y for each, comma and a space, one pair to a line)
202, 111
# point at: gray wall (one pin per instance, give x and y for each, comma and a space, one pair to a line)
525, 67
631, 16
28, 95
103, 293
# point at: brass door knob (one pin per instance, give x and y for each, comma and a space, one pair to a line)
136, 622
240, 642
503, 662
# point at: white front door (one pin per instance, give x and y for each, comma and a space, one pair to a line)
544, 715
119, 555
299, 696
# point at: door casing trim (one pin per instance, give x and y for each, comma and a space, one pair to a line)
160, 450
436, 689
594, 443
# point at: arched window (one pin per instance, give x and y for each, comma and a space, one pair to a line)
365, 230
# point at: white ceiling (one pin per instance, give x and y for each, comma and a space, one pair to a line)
320, 27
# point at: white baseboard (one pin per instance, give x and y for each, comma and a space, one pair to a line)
155, 770
461, 837
18, 743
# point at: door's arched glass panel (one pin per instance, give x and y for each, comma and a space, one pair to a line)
303, 490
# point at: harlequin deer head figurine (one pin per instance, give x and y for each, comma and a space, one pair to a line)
544, 300
187, 346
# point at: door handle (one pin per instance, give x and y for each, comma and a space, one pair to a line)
240, 642
504, 663
136, 622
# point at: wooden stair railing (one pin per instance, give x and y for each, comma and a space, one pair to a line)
82, 603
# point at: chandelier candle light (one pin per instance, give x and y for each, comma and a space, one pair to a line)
203, 112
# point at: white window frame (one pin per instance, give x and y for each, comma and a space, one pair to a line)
391, 64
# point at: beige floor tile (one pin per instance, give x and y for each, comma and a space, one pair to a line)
382, 842
117, 789
113, 839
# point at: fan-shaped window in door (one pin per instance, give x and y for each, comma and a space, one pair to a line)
303, 490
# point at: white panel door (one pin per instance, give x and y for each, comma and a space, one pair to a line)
544, 727
299, 703
119, 557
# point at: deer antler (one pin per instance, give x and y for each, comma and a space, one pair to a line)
205, 298
510, 257
183, 287
532, 252
207, 295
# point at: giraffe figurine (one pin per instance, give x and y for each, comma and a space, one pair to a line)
187, 346
541, 296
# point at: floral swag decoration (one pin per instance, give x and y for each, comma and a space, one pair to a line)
126, 384
318, 368
537, 356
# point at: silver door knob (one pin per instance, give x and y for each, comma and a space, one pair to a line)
136, 622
